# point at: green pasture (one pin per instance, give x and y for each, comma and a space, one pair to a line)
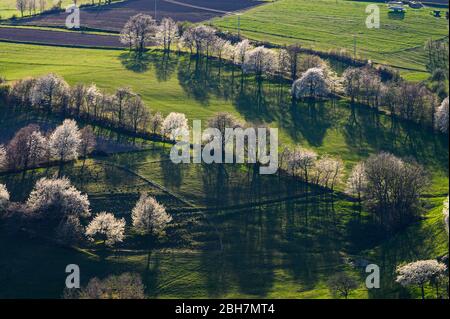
281, 248
340, 24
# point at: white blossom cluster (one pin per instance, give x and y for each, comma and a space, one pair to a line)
149, 217
58, 193
106, 227
420, 272
4, 197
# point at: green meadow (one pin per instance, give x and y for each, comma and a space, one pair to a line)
244, 236
8, 7
336, 24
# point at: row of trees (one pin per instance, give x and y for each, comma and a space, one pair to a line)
50, 93
33, 5
142, 30
31, 147
409, 101
63, 208
309, 167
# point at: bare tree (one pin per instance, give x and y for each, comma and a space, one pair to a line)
293, 53
21, 5
341, 284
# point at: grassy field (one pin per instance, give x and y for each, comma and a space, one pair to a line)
8, 7
283, 249
331, 24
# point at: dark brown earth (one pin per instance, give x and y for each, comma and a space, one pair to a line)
59, 38
113, 17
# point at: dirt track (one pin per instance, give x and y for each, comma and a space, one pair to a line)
59, 38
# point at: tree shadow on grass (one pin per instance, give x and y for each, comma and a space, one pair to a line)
138, 63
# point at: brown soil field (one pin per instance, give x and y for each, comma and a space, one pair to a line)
113, 17
59, 38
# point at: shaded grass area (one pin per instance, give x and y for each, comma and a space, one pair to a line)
330, 24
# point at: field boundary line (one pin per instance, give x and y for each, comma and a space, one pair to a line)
164, 189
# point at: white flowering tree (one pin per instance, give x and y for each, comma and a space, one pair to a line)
3, 158
107, 228
138, 32
241, 52
357, 182
175, 125
4, 197
167, 33
300, 161
49, 92
442, 117
150, 219
313, 83
445, 212
58, 196
419, 273
328, 171
65, 141
260, 61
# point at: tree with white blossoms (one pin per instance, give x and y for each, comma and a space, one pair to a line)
150, 219
175, 125
241, 52
58, 196
357, 182
328, 171
156, 121
445, 212
442, 116
4, 197
300, 161
49, 92
107, 228
167, 33
260, 61
137, 33
65, 141
313, 83
3, 158
421, 272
